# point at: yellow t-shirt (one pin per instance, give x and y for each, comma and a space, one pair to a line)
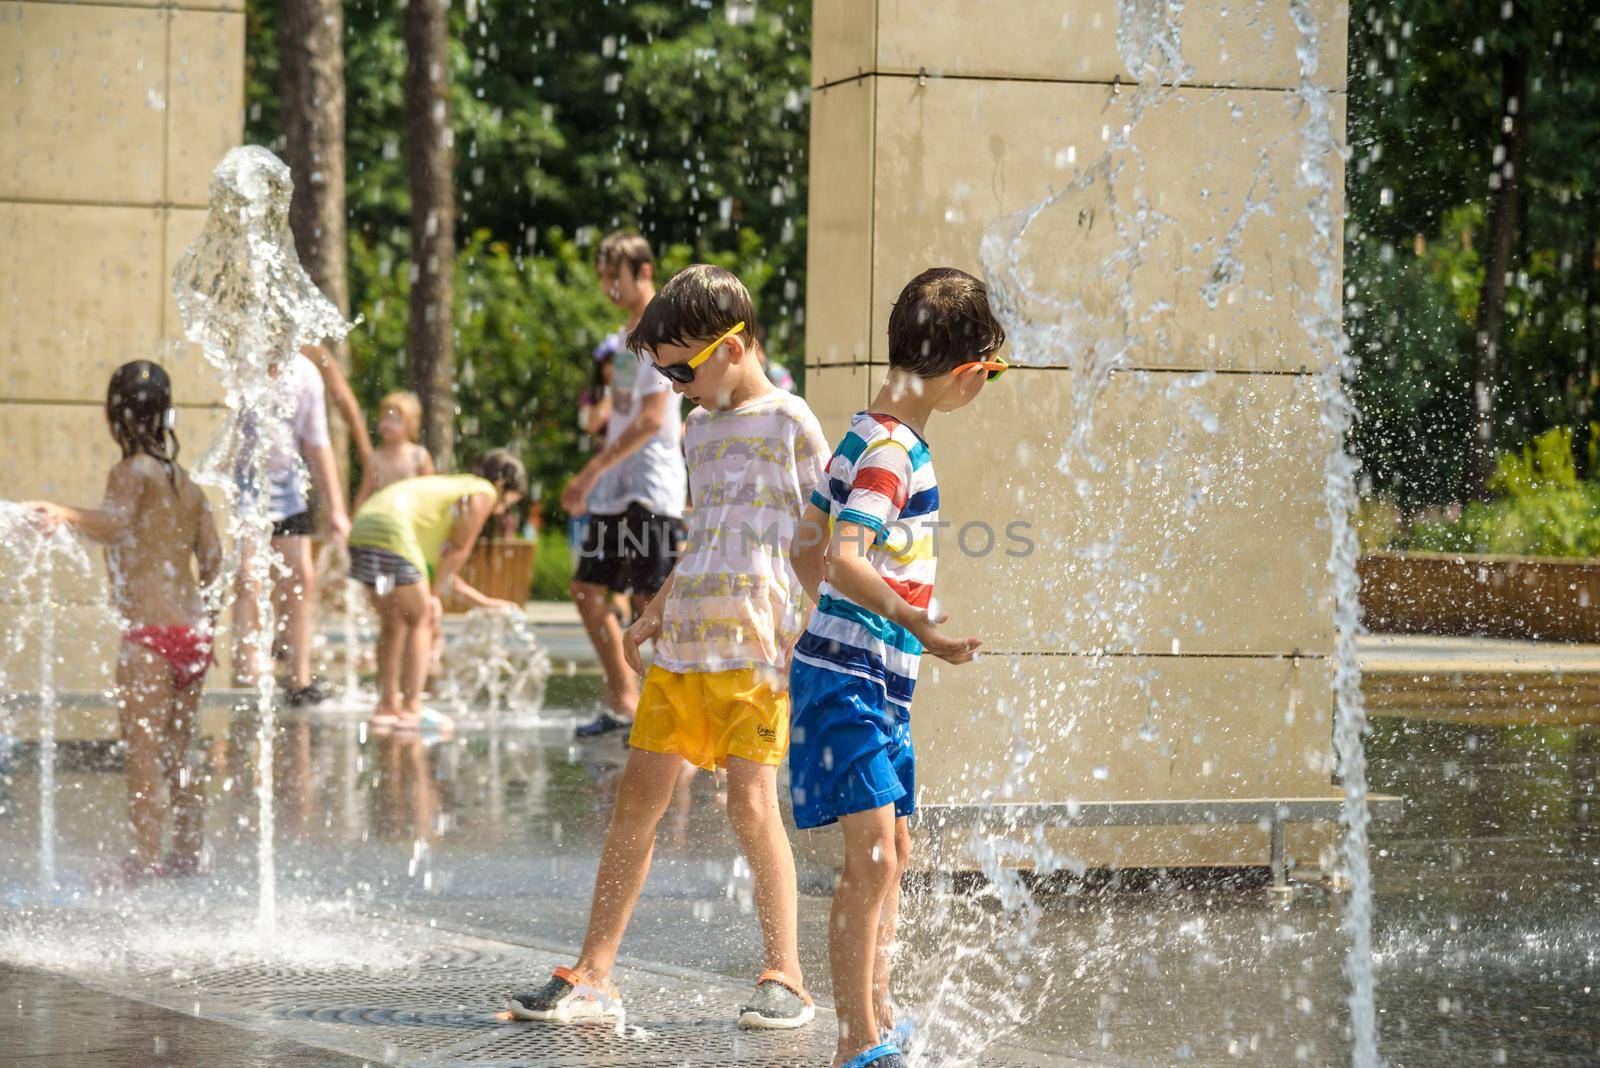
413, 518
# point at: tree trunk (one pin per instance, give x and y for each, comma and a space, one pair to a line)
1506, 183
311, 85
430, 161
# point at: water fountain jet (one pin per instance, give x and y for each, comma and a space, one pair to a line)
246, 300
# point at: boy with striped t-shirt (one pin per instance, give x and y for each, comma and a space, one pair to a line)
724, 624
855, 667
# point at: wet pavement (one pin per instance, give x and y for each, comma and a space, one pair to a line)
53, 1022
421, 880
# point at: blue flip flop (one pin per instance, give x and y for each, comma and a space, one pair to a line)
883, 1055
900, 1034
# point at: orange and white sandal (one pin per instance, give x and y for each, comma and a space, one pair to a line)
568, 996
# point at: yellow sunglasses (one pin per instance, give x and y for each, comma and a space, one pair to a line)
683, 373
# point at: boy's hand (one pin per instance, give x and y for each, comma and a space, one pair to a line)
435, 610
647, 626
500, 604
925, 626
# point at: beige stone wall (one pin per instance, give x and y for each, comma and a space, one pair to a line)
113, 116
933, 118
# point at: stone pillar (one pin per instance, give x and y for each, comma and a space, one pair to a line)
1188, 536
114, 115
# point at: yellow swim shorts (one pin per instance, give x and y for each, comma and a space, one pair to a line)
708, 716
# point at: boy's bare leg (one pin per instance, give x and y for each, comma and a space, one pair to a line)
882, 970
642, 798
871, 867
622, 690
145, 693
183, 780
391, 633
297, 601
753, 811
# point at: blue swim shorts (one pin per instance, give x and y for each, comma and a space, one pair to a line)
848, 750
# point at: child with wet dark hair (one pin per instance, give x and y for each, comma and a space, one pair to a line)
156, 526
866, 552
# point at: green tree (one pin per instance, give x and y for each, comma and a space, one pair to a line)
1427, 87
571, 118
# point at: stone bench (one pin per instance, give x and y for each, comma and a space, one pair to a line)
1271, 814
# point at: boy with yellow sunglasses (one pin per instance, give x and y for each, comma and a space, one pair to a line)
723, 624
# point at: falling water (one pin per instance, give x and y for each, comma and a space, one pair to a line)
47, 725
245, 299
1324, 326
496, 663
30, 572
1089, 320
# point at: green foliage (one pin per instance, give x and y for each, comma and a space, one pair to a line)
1425, 80
572, 118
552, 566
525, 330
1411, 330
1542, 506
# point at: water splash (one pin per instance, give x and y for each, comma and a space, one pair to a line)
1322, 320
28, 558
496, 664
1097, 229
246, 300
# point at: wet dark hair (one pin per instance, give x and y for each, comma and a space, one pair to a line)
138, 407
940, 321
502, 468
698, 303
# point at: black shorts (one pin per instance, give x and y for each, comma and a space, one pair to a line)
630, 553
299, 525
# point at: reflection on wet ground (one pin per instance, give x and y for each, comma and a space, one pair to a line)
1488, 930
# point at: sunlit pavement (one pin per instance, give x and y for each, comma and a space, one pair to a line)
420, 881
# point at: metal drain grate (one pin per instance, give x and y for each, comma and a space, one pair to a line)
421, 1031
439, 1012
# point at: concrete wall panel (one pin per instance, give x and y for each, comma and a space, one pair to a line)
1192, 522
84, 107
206, 100
835, 394
947, 166
1223, 42
80, 293
839, 250
1124, 728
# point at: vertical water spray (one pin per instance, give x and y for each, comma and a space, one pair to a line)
245, 299
28, 573
1323, 323
47, 724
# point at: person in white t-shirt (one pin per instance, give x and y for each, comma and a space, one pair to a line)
634, 489
295, 436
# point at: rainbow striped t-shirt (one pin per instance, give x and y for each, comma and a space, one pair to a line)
880, 477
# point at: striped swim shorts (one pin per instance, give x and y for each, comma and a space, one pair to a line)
380, 567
